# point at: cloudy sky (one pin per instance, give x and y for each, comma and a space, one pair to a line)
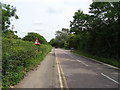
45, 16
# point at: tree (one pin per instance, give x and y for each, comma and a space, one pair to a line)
107, 20
98, 33
52, 42
33, 36
79, 22
71, 41
7, 12
61, 37
9, 34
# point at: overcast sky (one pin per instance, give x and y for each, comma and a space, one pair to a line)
45, 16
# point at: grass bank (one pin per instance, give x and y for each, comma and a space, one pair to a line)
19, 57
113, 62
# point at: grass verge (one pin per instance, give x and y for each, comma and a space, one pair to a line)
112, 62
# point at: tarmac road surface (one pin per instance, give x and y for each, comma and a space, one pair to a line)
63, 69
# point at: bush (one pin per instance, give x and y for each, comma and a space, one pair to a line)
33, 36
18, 57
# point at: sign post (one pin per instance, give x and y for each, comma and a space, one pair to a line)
37, 43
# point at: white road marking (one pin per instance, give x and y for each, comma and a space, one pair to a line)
69, 60
110, 78
76, 59
82, 62
101, 62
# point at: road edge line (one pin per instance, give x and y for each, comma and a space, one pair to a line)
110, 78
103, 63
99, 61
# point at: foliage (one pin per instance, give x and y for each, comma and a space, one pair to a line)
52, 42
18, 57
7, 12
79, 23
113, 62
33, 36
61, 38
9, 34
98, 33
71, 41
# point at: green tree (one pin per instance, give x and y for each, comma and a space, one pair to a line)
61, 37
106, 17
9, 34
79, 23
52, 42
98, 32
7, 12
33, 36
71, 42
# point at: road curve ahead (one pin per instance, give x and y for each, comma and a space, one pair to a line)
75, 71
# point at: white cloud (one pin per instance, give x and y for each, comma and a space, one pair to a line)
37, 23
45, 16
53, 10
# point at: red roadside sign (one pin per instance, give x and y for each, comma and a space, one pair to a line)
37, 42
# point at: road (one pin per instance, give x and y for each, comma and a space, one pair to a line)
63, 69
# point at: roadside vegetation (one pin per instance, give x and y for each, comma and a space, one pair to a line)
96, 34
110, 61
19, 55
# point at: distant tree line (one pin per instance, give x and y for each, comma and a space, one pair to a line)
96, 33
61, 38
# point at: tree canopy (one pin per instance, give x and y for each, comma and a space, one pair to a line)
33, 36
96, 33
10, 34
61, 38
8, 11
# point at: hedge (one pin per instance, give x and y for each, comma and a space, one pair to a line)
18, 57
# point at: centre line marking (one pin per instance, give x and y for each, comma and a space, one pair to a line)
66, 85
59, 73
76, 59
110, 78
82, 62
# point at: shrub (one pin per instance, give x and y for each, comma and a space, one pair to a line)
18, 57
